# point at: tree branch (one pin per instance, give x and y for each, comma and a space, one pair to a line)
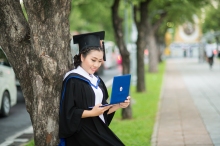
13, 20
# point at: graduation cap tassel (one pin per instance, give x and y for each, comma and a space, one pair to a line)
103, 45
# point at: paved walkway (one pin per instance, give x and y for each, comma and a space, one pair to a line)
189, 112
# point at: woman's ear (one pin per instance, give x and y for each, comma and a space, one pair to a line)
101, 43
81, 57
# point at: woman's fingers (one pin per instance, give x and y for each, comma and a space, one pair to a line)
129, 97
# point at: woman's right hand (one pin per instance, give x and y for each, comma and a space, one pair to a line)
97, 110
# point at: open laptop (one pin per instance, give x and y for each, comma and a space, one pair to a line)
120, 89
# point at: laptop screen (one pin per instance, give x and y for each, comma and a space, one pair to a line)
120, 88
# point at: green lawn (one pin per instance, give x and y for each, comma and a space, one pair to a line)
31, 143
138, 130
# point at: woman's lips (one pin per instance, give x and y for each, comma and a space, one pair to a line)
93, 69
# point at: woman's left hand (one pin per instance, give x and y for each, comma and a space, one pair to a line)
125, 103
120, 105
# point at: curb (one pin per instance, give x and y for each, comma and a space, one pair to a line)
19, 138
155, 128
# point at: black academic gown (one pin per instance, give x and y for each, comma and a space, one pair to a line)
92, 131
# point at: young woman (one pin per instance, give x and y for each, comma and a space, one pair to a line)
78, 124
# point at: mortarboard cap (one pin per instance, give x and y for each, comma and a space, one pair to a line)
90, 40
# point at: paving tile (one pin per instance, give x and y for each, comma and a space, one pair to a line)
190, 105
197, 139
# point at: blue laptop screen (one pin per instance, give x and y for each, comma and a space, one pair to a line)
120, 88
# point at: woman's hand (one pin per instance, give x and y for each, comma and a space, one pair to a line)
97, 110
120, 105
125, 103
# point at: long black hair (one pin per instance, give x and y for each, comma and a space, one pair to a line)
85, 52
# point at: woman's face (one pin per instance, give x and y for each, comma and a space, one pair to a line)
92, 61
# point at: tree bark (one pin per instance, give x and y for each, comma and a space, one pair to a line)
153, 51
151, 39
117, 24
141, 43
39, 52
160, 46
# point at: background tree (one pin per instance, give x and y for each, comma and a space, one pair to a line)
149, 16
39, 52
89, 15
119, 38
211, 22
212, 19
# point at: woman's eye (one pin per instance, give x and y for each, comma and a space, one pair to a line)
93, 60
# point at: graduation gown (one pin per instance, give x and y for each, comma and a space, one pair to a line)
77, 96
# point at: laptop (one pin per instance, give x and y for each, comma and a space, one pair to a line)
120, 89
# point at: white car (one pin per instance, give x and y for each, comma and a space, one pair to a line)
8, 89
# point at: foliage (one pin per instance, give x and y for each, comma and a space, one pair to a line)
138, 131
88, 15
212, 18
177, 12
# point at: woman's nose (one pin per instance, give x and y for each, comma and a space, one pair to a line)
96, 64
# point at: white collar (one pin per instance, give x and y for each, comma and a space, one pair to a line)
79, 70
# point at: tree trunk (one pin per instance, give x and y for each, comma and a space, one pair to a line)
141, 44
153, 51
39, 51
160, 46
117, 24
160, 52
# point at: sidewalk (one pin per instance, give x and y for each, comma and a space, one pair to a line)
189, 111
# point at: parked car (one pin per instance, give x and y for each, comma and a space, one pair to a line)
8, 89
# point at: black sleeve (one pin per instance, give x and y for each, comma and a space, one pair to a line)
70, 115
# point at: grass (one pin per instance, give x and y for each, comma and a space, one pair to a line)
138, 130
31, 143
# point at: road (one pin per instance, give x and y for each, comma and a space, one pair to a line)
19, 119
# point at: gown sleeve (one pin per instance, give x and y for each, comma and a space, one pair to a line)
70, 115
